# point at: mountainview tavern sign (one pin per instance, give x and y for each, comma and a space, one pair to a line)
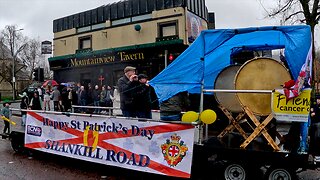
119, 56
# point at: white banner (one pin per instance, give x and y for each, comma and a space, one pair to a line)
153, 147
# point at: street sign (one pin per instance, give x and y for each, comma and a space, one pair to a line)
46, 47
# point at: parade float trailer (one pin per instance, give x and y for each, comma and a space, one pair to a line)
249, 95
245, 94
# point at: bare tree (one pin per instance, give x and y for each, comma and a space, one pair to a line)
31, 56
297, 11
12, 44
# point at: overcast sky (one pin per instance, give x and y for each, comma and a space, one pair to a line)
36, 16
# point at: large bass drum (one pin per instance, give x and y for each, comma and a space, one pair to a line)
225, 80
260, 74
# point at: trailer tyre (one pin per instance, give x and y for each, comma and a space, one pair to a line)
235, 171
17, 141
276, 173
17, 147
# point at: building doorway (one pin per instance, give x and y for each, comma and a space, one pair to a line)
85, 79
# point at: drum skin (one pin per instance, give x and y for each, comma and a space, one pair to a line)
260, 74
225, 80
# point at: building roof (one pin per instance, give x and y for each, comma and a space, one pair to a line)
125, 9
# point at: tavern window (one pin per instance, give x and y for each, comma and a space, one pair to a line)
85, 42
168, 29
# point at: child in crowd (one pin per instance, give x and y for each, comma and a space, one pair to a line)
6, 113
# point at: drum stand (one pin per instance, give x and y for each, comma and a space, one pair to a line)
234, 123
259, 129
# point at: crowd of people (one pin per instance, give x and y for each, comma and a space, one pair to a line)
64, 98
135, 99
89, 96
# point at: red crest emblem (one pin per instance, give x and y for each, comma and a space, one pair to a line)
174, 150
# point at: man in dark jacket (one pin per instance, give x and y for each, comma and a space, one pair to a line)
24, 104
64, 99
142, 98
35, 102
82, 98
126, 86
89, 100
96, 98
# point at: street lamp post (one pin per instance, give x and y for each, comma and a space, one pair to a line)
13, 65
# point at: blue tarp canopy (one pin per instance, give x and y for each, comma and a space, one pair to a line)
211, 52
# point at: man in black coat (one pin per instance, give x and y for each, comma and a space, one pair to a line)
82, 98
96, 98
24, 104
142, 98
35, 102
126, 86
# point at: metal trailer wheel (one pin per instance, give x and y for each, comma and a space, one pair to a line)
235, 171
18, 148
17, 141
279, 174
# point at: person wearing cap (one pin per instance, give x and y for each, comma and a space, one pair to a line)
24, 104
126, 85
6, 113
142, 98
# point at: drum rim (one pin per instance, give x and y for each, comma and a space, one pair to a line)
214, 85
249, 61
